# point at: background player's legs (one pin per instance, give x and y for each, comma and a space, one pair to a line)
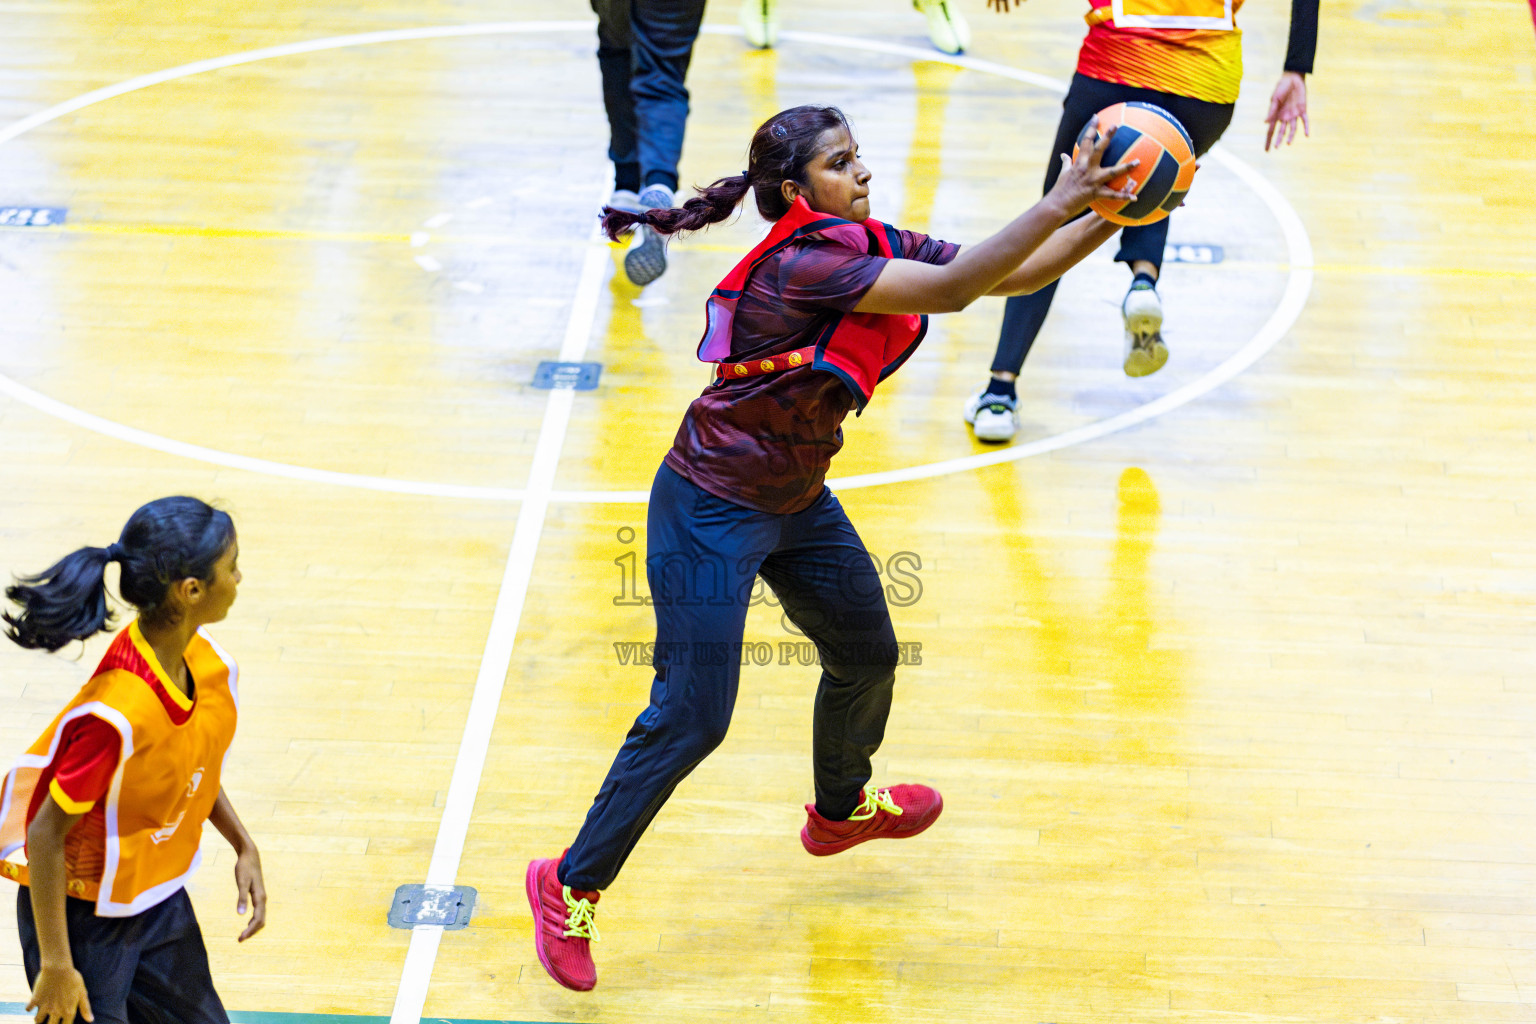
701, 579
663, 33
1142, 246
828, 586
1204, 122
614, 61
991, 410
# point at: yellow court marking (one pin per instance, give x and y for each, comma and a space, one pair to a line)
202, 231
300, 235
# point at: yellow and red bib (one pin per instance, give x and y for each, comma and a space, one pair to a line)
1186, 47
165, 786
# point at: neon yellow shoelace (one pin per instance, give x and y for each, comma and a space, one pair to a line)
582, 922
874, 800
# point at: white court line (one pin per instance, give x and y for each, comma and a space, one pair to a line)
1298, 284
469, 765
156, 442
42, 117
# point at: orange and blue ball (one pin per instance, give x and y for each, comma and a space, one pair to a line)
1148, 133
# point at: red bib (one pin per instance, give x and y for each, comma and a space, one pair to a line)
860, 348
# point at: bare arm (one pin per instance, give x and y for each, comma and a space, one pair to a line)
60, 990
1057, 254
1287, 109
248, 878
908, 286
1288, 103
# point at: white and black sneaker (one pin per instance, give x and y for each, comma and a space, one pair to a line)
646, 259
1143, 312
993, 416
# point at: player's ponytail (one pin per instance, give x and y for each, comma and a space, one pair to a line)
165, 541
781, 148
714, 203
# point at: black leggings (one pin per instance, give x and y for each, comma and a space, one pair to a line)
1024, 314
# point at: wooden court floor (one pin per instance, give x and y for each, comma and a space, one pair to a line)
1229, 678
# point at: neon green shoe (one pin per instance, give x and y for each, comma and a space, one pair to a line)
947, 28
760, 21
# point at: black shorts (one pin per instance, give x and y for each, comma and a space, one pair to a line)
151, 968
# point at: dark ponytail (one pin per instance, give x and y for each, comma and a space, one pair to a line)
781, 148
714, 203
165, 541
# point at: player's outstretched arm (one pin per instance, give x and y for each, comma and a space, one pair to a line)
908, 286
1058, 254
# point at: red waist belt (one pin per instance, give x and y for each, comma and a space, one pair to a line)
771, 364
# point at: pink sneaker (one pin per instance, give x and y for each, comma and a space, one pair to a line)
564, 926
895, 813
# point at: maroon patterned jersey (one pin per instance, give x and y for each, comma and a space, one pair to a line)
766, 441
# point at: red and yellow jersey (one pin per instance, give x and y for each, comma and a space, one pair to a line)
1186, 47
138, 845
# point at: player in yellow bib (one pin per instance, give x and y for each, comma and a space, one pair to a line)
110, 800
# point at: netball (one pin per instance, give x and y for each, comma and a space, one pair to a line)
1150, 134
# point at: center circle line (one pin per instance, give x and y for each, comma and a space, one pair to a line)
1284, 316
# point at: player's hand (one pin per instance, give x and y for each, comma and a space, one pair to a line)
253, 891
1287, 108
1001, 6
58, 994
1086, 178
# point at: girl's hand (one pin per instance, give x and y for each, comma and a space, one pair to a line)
58, 994
1287, 108
252, 890
1085, 179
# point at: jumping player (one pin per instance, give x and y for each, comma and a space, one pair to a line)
823, 309
111, 799
1185, 56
